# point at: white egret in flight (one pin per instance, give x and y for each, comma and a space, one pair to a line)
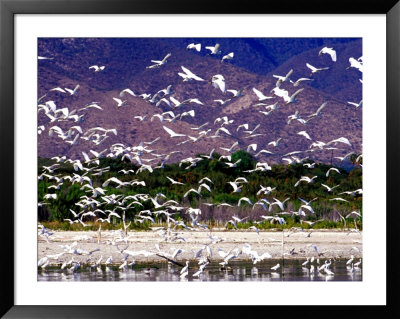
223, 102
261, 96
159, 63
279, 203
230, 150
305, 179
329, 51
218, 81
172, 133
314, 69
329, 189
129, 91
292, 98
332, 169
229, 56
305, 134
215, 49
97, 68
120, 102
236, 187
297, 83
193, 46
174, 182
236, 93
319, 111
189, 75
282, 79
355, 64
357, 105
74, 91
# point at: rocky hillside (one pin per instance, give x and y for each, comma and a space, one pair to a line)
253, 66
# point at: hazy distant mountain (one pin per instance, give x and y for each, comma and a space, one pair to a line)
254, 63
344, 85
262, 55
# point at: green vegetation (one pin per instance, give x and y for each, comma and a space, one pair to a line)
283, 177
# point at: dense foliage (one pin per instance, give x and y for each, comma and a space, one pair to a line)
281, 177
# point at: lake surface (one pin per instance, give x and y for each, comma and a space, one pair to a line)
289, 270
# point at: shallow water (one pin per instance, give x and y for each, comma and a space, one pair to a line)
290, 270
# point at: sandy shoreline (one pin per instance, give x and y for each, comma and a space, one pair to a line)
296, 245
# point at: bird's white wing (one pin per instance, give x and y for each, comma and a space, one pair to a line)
259, 94
171, 132
223, 129
311, 67
129, 91
191, 74
234, 144
205, 186
86, 157
305, 134
289, 74
175, 101
300, 80
304, 201
190, 190
165, 101
228, 56
219, 83
296, 93
170, 113
170, 179
192, 101
69, 90
340, 140
321, 107
281, 93
252, 146
166, 58
326, 186
333, 55
234, 185
183, 75
58, 89
197, 47
352, 103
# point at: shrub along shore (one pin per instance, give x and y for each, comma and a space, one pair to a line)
217, 207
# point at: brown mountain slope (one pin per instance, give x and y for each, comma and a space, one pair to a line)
130, 131
338, 119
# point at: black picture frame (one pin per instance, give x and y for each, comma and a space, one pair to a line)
8, 10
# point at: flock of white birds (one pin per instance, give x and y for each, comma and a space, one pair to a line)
90, 206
